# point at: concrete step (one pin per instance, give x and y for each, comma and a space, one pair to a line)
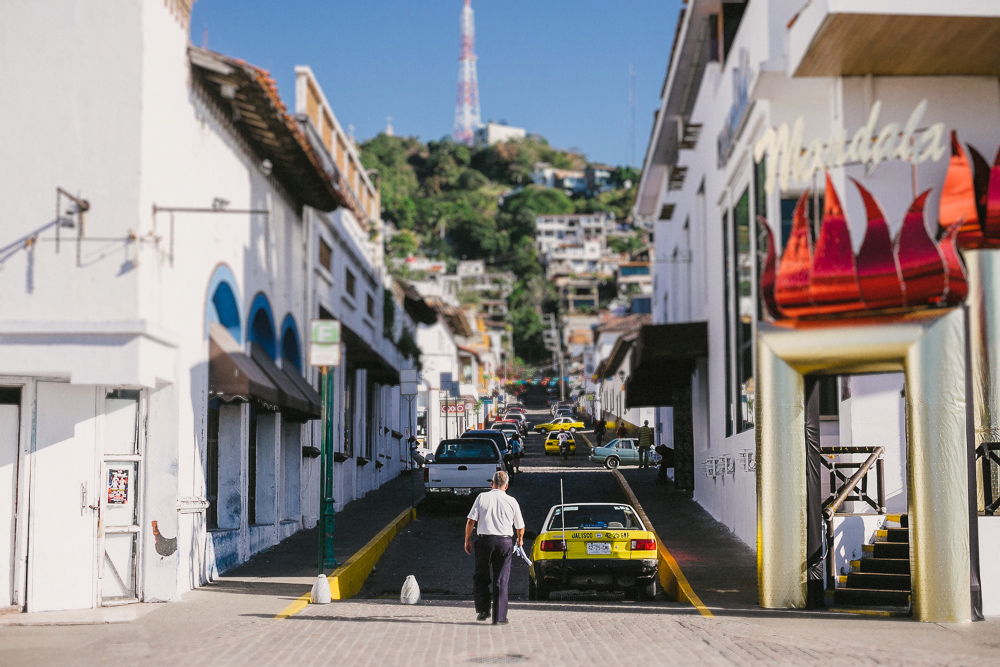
893, 535
887, 549
884, 565
878, 581
901, 519
871, 597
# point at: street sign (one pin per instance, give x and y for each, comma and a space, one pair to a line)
324, 343
408, 382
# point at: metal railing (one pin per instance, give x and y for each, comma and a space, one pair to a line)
988, 453
849, 491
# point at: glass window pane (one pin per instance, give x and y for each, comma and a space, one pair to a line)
121, 422
745, 308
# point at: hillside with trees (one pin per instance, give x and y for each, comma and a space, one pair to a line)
450, 202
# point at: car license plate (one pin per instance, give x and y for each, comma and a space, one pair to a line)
598, 548
462, 492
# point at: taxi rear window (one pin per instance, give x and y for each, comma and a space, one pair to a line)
466, 451
595, 516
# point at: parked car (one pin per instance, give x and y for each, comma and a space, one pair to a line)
521, 420
462, 468
621, 451
511, 428
588, 546
498, 437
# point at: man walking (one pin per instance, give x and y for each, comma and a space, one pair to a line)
496, 517
645, 443
622, 431
599, 428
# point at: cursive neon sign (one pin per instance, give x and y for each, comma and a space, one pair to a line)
789, 162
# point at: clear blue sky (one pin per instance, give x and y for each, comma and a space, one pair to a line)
556, 67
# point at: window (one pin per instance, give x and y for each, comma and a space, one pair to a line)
349, 282
371, 415
325, 255
370, 305
727, 319
743, 289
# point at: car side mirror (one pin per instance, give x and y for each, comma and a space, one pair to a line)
530, 534
429, 458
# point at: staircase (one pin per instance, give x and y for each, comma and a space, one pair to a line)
882, 577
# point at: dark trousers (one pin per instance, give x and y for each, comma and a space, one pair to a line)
490, 589
600, 437
643, 457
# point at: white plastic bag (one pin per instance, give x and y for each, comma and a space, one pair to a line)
321, 590
411, 591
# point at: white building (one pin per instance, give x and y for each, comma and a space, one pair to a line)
497, 133
552, 231
740, 76
157, 416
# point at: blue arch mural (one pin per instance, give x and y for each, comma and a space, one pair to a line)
223, 303
291, 351
260, 325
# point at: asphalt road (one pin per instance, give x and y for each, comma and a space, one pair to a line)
431, 548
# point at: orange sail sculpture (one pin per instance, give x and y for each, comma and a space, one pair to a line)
913, 272
791, 289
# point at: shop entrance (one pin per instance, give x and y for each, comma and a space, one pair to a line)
84, 539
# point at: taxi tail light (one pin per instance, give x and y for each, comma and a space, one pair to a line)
553, 545
643, 545
427, 474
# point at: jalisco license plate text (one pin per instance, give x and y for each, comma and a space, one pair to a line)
598, 548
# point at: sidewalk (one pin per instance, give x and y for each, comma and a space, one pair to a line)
722, 570
265, 584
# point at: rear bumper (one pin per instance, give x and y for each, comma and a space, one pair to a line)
594, 572
454, 493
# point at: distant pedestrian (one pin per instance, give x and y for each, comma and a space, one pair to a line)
646, 437
518, 448
496, 517
622, 431
599, 429
666, 461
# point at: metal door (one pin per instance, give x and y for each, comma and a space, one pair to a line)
9, 428
118, 528
64, 499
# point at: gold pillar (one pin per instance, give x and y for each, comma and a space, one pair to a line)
929, 346
781, 481
984, 334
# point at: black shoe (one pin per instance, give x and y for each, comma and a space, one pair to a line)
483, 616
504, 622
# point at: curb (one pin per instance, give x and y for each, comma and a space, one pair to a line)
346, 581
673, 581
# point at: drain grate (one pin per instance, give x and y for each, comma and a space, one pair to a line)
499, 659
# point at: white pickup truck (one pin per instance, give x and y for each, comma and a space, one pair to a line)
462, 468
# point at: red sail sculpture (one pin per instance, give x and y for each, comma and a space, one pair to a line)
957, 282
878, 269
991, 223
833, 282
920, 262
791, 289
958, 198
767, 275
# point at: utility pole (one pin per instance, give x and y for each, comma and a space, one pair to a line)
553, 343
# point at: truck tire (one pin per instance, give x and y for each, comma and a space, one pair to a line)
647, 592
536, 592
611, 462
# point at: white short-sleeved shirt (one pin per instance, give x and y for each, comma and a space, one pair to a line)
496, 513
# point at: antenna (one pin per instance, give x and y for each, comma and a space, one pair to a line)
562, 514
631, 75
467, 116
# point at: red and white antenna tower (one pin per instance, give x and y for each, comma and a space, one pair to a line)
467, 116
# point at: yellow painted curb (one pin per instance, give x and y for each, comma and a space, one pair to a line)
346, 581
674, 583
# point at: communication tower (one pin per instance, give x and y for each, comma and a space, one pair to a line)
467, 116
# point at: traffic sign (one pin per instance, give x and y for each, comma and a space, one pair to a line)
324, 343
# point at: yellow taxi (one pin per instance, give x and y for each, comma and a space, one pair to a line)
559, 424
593, 546
552, 443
